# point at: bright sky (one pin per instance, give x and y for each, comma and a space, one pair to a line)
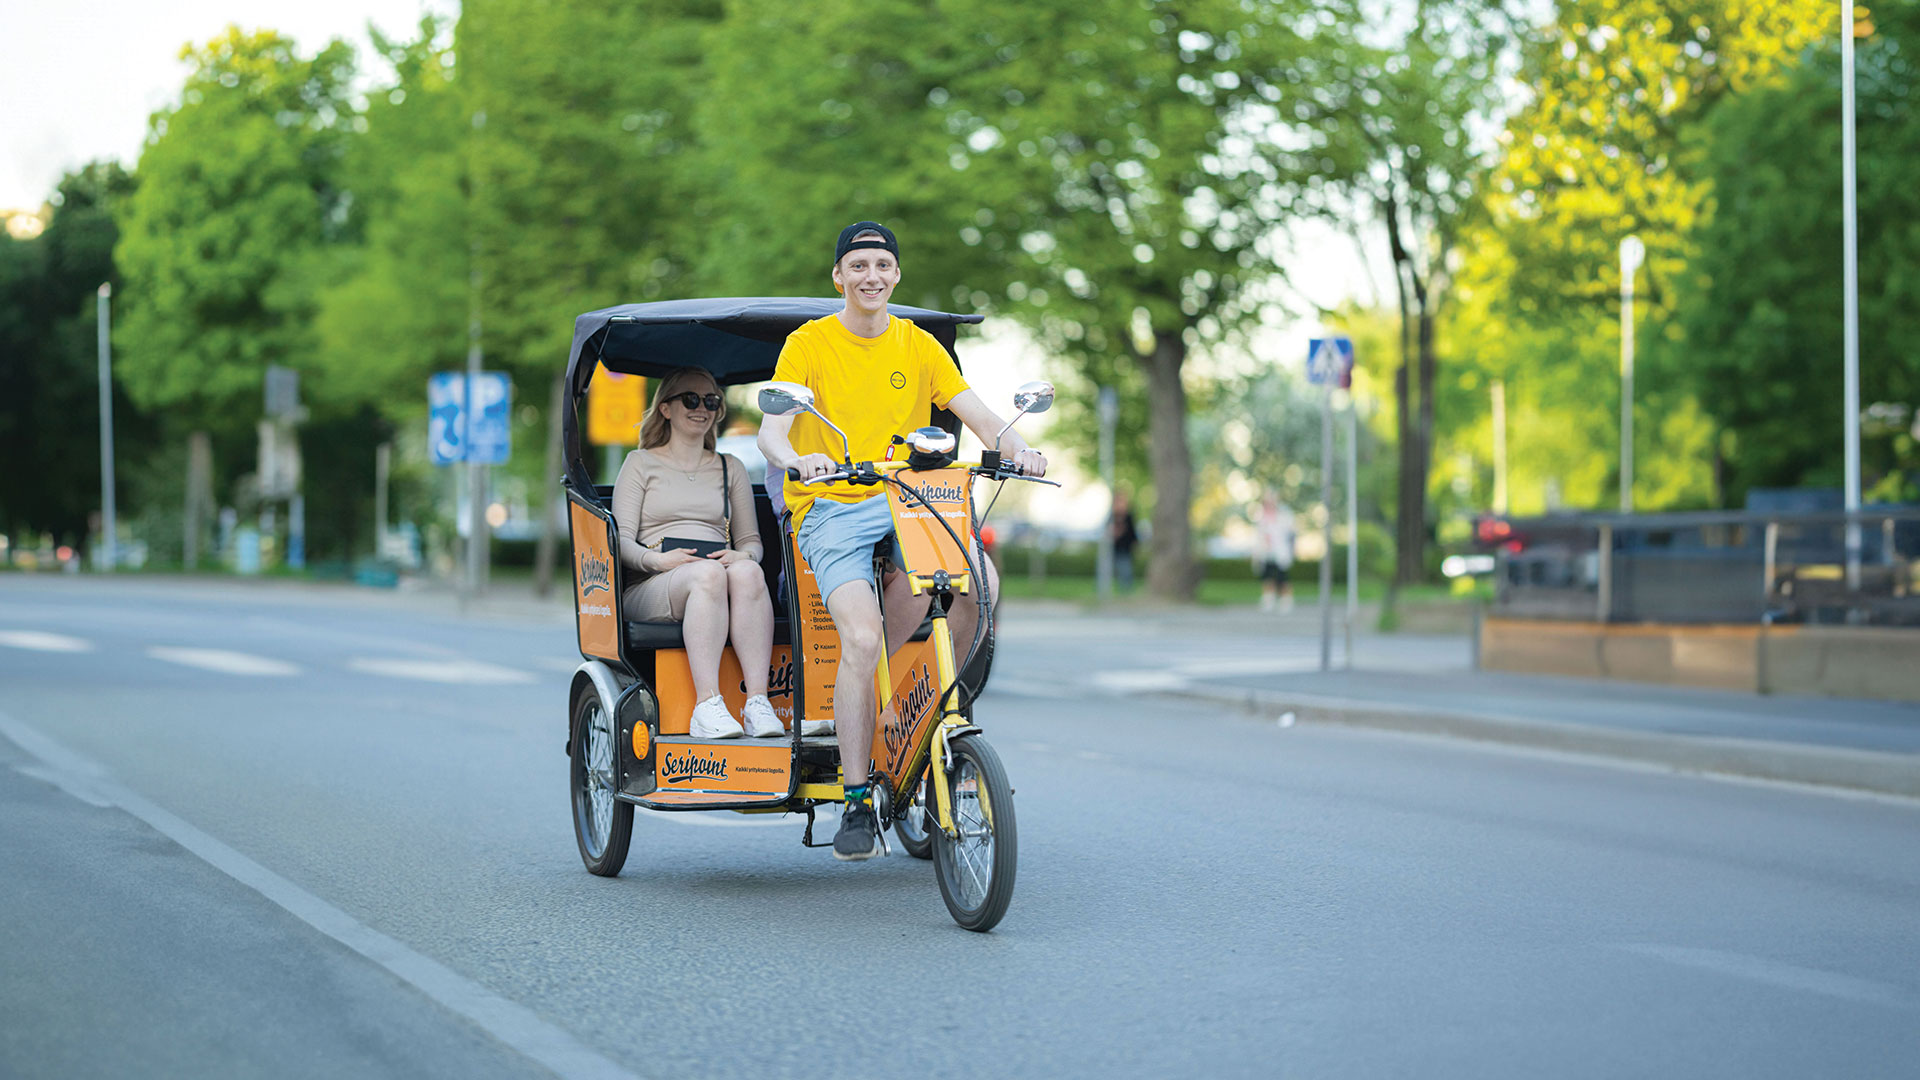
78, 80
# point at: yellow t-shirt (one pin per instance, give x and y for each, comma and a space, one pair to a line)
873, 388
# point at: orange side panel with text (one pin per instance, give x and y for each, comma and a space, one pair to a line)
817, 642
922, 539
915, 690
596, 608
734, 766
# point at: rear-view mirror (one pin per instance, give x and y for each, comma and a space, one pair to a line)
785, 398
1034, 397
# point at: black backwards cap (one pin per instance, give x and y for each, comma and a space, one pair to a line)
848, 243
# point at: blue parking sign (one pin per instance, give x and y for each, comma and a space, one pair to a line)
454, 434
490, 426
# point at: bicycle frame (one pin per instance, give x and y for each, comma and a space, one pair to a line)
939, 511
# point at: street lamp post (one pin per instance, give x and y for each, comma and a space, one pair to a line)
1109, 416
1851, 277
108, 527
1631, 252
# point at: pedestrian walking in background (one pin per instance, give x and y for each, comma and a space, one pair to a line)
1125, 536
1273, 553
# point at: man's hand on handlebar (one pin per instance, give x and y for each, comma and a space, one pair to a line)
812, 465
1031, 462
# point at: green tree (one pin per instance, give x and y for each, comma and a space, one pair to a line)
392, 307
1761, 302
1602, 145
1410, 105
48, 362
857, 131
1132, 161
239, 186
580, 114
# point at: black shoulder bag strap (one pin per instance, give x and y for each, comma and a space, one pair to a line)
726, 501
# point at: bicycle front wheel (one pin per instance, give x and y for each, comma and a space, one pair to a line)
976, 868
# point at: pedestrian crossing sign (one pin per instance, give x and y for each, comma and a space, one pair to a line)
1330, 361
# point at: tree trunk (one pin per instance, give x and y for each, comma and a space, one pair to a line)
1407, 535
1423, 444
199, 498
549, 492
1171, 574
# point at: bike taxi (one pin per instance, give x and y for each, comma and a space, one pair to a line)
936, 781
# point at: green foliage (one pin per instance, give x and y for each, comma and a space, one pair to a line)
855, 131
578, 114
49, 388
239, 185
393, 307
1609, 142
1762, 347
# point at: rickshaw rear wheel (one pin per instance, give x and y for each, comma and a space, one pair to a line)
602, 824
976, 869
912, 826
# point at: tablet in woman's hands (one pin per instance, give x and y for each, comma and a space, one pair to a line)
702, 548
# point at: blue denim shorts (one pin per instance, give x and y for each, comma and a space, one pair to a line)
837, 540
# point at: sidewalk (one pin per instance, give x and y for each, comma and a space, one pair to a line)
1270, 666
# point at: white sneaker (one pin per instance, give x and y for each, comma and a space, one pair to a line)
762, 721
711, 720
812, 728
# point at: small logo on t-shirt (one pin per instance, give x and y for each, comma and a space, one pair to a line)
899, 381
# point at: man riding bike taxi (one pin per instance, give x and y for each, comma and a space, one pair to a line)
877, 376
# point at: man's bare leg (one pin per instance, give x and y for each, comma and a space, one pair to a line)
856, 616
905, 611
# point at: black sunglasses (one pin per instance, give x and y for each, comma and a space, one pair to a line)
691, 400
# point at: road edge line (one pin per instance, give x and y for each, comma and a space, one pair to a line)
508, 1022
1813, 766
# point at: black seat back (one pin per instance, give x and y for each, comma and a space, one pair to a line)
771, 541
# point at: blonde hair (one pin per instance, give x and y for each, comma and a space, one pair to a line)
653, 426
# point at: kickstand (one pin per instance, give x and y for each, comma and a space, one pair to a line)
806, 838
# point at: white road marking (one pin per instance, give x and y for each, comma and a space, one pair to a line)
1249, 665
508, 1021
558, 663
76, 786
1029, 688
42, 641
1135, 681
468, 672
1775, 973
223, 661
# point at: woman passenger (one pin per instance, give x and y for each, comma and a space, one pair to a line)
676, 488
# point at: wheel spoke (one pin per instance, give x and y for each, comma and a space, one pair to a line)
598, 779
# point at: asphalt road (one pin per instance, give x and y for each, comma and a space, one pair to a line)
337, 864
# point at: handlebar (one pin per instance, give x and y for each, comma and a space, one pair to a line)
992, 466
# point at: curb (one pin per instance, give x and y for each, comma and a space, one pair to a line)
1855, 770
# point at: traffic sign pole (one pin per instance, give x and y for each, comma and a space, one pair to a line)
476, 470
1326, 525
1330, 363
1353, 522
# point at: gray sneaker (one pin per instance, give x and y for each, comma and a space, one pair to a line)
859, 835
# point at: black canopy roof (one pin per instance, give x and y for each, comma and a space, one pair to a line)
737, 339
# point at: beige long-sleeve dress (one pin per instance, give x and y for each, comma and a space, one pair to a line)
653, 500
